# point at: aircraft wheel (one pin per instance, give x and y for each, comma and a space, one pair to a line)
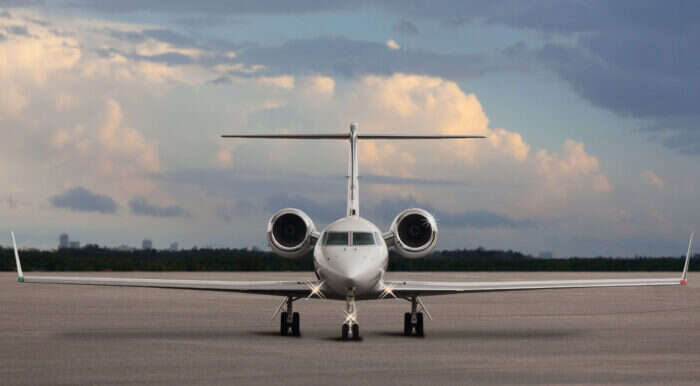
407, 324
356, 332
284, 327
419, 325
345, 331
295, 324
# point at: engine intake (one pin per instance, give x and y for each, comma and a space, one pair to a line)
290, 232
415, 233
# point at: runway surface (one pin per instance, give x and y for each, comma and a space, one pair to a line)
51, 334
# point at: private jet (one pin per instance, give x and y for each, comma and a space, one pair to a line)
351, 256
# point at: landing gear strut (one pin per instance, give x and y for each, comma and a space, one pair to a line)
413, 320
350, 324
289, 320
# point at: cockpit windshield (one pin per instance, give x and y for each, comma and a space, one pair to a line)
336, 238
363, 238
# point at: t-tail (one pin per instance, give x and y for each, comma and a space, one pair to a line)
353, 137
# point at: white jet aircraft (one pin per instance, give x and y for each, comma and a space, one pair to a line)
351, 257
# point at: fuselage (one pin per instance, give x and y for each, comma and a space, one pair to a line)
351, 256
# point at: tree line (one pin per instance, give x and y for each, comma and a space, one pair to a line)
94, 258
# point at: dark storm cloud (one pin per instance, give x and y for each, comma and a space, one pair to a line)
346, 57
161, 34
141, 207
406, 27
387, 209
82, 200
323, 212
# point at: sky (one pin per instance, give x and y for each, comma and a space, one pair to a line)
111, 114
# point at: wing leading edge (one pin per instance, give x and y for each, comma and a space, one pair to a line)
277, 288
423, 288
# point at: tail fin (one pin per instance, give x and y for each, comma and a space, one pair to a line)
684, 277
352, 137
20, 275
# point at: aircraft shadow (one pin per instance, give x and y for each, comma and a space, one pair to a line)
189, 334
151, 333
496, 334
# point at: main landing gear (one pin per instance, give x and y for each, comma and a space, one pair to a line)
413, 321
289, 320
350, 324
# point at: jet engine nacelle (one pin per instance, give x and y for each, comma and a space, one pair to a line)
291, 233
415, 233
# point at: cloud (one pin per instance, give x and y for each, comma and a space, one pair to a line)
323, 85
346, 57
652, 179
285, 82
113, 146
82, 200
392, 45
405, 27
141, 207
387, 209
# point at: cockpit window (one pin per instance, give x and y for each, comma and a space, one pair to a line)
362, 238
337, 238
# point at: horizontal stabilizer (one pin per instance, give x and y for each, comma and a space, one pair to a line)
347, 136
401, 136
289, 136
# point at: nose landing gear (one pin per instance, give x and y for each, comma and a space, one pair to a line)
350, 324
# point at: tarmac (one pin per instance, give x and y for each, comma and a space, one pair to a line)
54, 334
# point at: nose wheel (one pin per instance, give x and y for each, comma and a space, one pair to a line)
350, 325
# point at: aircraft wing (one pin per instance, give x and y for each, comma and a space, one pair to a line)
423, 288
277, 288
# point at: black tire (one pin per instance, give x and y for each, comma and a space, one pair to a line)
283, 323
407, 324
345, 331
356, 332
295, 324
419, 325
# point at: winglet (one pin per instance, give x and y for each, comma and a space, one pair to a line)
20, 275
687, 260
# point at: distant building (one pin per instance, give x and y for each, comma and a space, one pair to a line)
125, 248
546, 255
74, 245
63, 241
147, 244
174, 246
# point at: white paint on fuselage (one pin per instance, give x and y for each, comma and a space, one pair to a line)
344, 267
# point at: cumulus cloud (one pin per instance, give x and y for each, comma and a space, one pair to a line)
282, 82
323, 85
141, 207
116, 148
82, 200
650, 178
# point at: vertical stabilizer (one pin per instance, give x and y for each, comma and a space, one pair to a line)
353, 188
